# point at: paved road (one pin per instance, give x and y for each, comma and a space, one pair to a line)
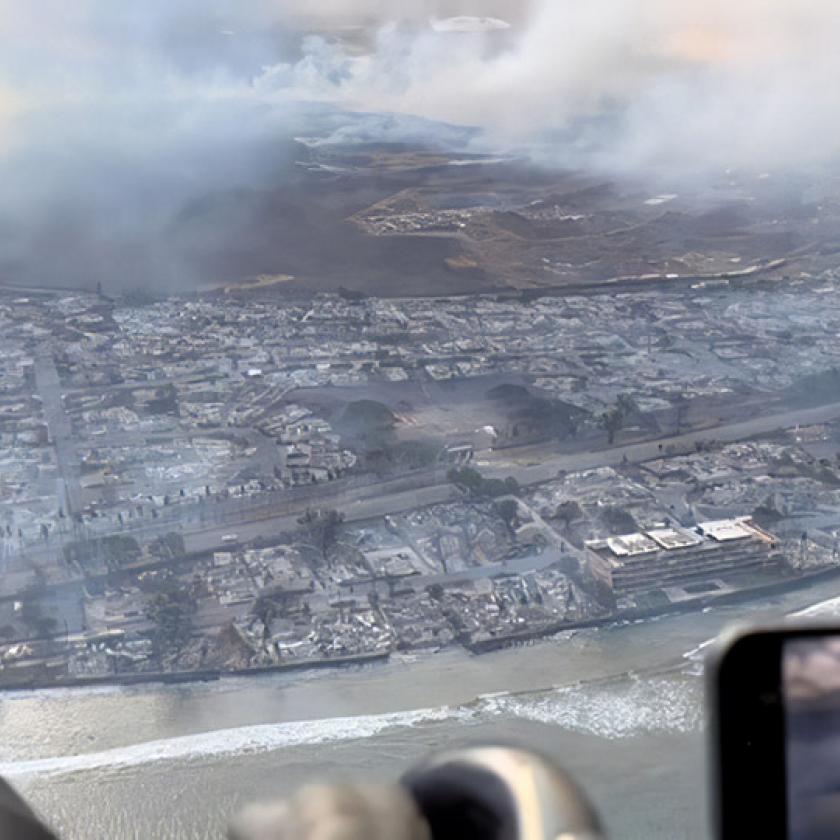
649, 450
380, 499
376, 500
354, 510
61, 432
140, 384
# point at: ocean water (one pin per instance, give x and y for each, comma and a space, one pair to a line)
620, 707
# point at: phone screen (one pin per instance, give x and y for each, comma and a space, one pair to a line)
811, 698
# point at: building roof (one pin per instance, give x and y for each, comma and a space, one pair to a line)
723, 530
629, 545
674, 538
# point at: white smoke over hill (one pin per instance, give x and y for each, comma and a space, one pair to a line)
617, 83
117, 120
629, 83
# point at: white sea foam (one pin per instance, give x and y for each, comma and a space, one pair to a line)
615, 709
827, 609
238, 741
612, 708
698, 654
830, 608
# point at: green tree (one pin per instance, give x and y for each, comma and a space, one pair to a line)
466, 478
508, 511
171, 609
612, 422
568, 511
435, 591
626, 405
618, 520
474, 484
265, 609
321, 527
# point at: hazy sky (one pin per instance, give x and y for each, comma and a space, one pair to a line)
114, 114
746, 82
695, 81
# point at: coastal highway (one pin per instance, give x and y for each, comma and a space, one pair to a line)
505, 462
378, 501
61, 430
353, 508
398, 495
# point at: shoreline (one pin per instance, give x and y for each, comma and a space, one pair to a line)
199, 675
696, 604
477, 648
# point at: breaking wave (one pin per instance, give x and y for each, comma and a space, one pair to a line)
617, 708
237, 741
825, 609
829, 608
624, 705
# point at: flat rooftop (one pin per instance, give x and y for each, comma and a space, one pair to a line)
622, 550
674, 538
629, 545
723, 530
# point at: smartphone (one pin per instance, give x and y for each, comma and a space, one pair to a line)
774, 696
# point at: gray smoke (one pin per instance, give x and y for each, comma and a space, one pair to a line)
139, 143
620, 84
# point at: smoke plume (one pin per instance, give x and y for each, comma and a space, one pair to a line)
132, 135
